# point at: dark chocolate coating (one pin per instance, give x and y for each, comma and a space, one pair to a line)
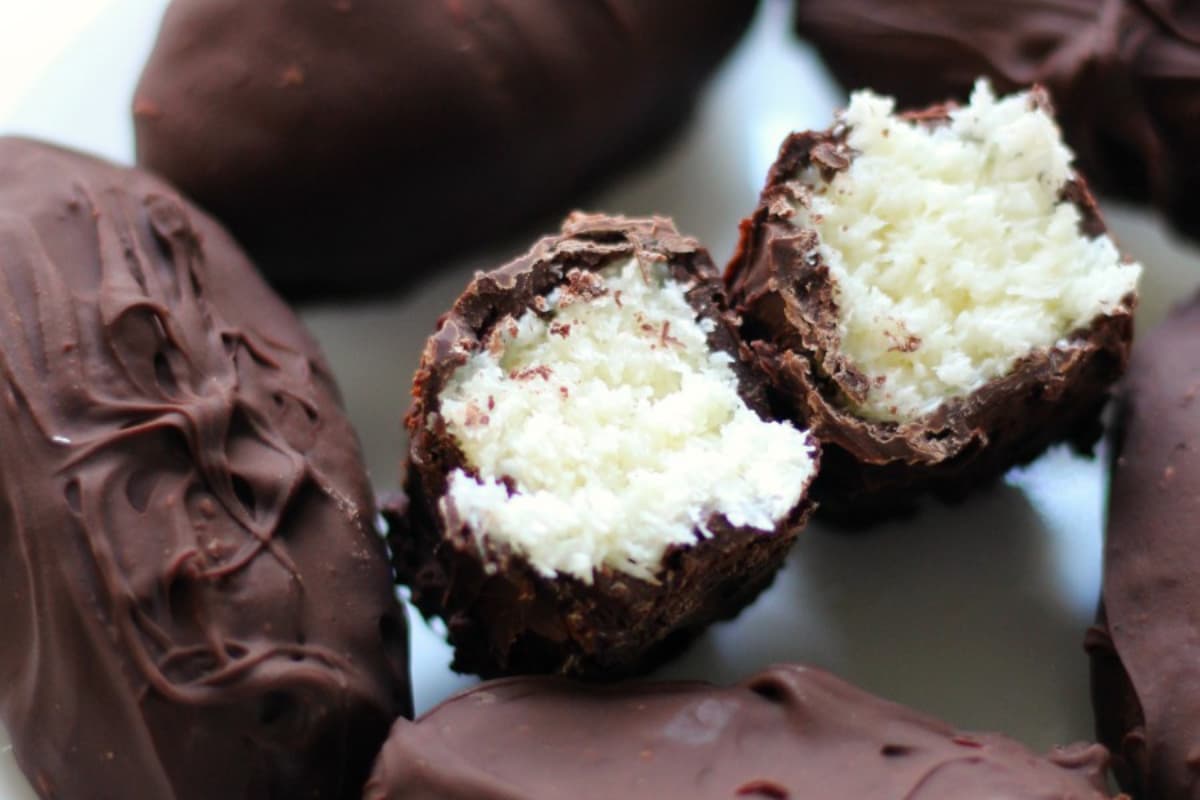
1146, 646
786, 297
789, 733
503, 616
197, 603
1125, 75
359, 144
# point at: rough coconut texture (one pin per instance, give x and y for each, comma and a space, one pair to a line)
651, 438
934, 296
953, 249
593, 477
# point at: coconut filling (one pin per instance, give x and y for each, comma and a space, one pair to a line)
619, 428
953, 251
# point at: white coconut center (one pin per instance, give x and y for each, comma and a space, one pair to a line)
621, 430
953, 251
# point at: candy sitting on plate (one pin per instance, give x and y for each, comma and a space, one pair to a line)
1124, 75
788, 733
198, 604
1146, 646
360, 144
592, 476
933, 294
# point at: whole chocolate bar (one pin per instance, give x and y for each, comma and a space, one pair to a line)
789, 733
933, 294
1146, 646
1125, 76
592, 479
359, 144
197, 602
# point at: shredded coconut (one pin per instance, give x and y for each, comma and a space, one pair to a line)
953, 251
622, 431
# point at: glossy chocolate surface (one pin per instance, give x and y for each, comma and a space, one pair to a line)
789, 733
360, 144
197, 602
1146, 646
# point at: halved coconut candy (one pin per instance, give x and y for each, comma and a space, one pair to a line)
593, 476
933, 294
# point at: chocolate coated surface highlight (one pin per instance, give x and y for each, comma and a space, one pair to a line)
789, 733
197, 602
359, 144
1146, 646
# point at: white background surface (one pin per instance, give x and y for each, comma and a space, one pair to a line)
974, 613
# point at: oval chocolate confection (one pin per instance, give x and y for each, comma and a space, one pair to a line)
592, 475
788, 733
198, 603
358, 144
934, 295
1145, 648
1124, 75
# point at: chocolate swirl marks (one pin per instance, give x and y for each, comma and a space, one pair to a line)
200, 605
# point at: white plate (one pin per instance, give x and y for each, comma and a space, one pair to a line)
974, 613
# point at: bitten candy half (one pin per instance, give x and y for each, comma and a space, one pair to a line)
1145, 647
933, 294
198, 604
592, 476
788, 733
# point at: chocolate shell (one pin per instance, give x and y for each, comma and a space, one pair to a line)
788, 733
1125, 76
1145, 648
872, 469
504, 615
359, 144
198, 604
